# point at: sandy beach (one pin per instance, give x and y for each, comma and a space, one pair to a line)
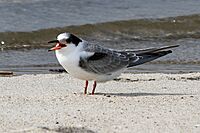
55, 103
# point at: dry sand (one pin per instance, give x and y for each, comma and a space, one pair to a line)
134, 103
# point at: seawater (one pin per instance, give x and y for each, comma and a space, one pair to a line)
29, 15
27, 26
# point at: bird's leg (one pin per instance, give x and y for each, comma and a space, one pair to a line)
86, 86
94, 86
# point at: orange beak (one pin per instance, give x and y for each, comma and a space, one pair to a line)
57, 47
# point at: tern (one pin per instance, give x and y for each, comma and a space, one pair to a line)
93, 62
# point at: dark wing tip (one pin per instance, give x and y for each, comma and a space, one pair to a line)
172, 46
166, 47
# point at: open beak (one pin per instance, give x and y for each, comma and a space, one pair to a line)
57, 47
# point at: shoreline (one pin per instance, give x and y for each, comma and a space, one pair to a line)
153, 102
142, 69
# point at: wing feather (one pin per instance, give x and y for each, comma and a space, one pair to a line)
103, 61
107, 61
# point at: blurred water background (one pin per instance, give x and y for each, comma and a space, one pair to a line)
27, 25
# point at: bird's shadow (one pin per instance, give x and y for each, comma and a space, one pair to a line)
141, 94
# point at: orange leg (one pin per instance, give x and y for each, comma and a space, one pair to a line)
86, 86
94, 86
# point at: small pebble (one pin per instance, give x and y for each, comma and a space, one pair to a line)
110, 101
108, 96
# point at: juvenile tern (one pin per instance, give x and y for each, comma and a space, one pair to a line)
92, 62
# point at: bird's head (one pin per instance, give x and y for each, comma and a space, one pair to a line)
65, 40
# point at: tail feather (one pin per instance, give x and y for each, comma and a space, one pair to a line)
150, 50
148, 55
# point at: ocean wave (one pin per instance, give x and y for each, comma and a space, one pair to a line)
165, 29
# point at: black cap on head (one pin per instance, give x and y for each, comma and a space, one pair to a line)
74, 39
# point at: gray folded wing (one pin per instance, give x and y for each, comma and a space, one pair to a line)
104, 61
107, 61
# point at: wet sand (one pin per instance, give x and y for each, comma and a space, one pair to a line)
132, 103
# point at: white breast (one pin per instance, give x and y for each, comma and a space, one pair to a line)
69, 58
